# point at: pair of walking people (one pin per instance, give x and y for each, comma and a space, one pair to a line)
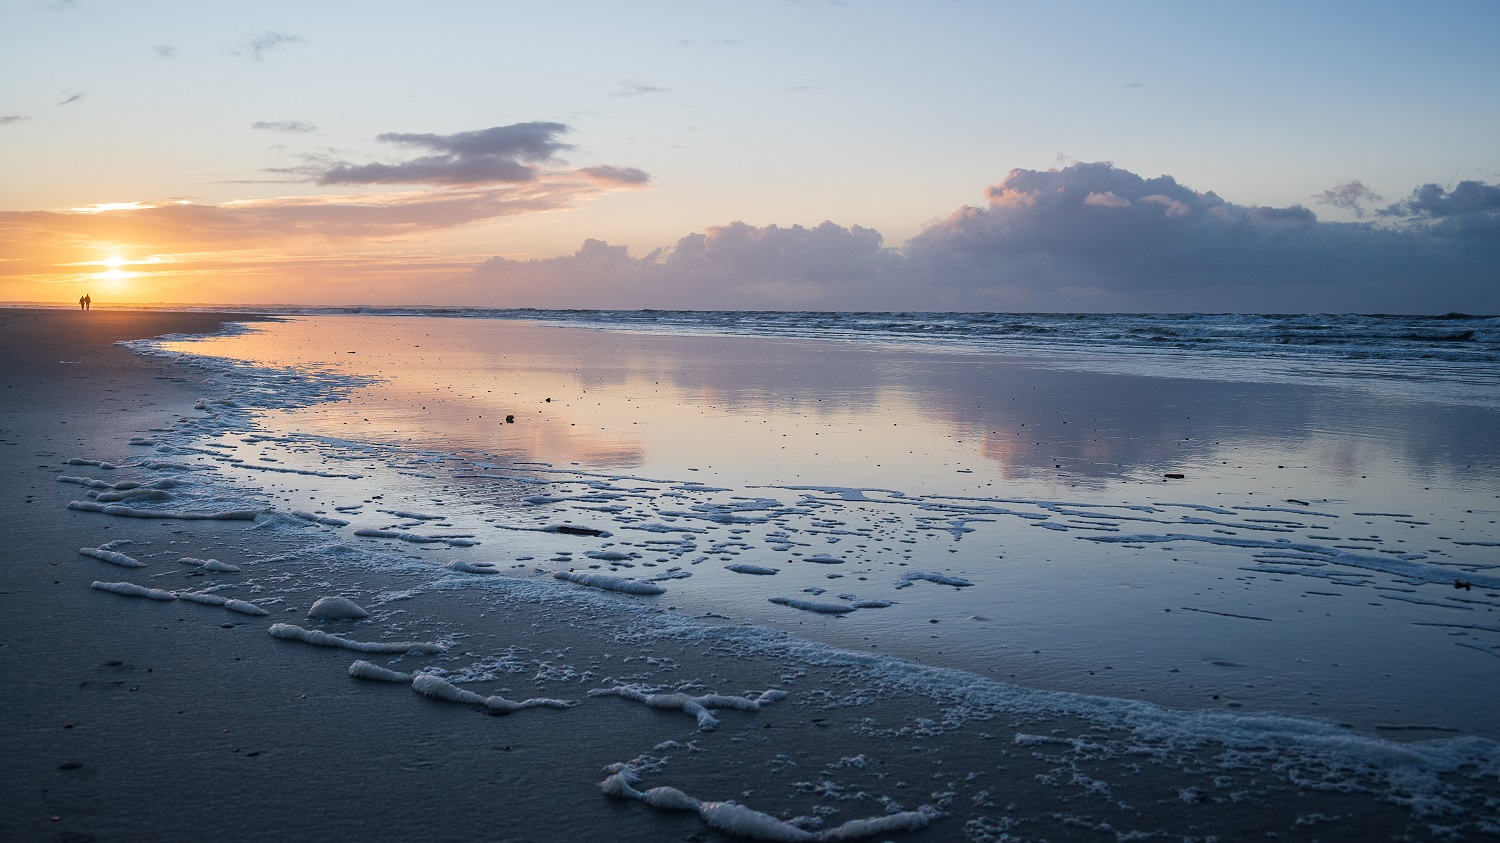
85, 302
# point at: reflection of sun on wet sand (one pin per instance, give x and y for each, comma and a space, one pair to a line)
157, 697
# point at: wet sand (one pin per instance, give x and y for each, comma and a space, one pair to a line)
130, 719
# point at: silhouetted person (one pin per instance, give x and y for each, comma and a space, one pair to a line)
88, 302
81, 305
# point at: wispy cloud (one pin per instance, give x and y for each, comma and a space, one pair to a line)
12, 118
1351, 195
165, 51
608, 174
71, 98
183, 226
295, 127
295, 232
497, 155
633, 89
255, 45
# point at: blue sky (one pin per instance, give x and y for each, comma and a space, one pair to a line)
886, 116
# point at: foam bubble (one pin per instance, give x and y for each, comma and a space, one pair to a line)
181, 515
438, 688
337, 609
130, 589
365, 670
699, 707
113, 557
292, 632
609, 583
931, 576
740, 821
813, 606
756, 570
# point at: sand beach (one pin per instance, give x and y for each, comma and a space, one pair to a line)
131, 718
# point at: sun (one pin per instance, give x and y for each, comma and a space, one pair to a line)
114, 275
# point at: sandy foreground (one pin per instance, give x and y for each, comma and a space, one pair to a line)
133, 719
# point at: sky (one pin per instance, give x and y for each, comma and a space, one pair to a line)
990, 156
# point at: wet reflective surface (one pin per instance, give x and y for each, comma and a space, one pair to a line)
1304, 561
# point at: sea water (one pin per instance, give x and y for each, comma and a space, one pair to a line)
1267, 567
1097, 515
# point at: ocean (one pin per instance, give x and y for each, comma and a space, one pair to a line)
1259, 531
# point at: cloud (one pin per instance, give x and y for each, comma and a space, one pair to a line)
291, 126
498, 155
1086, 237
72, 98
609, 174
630, 89
1467, 213
256, 45
1350, 195
1042, 241
730, 266
1083, 237
1108, 199
165, 51
380, 234
1432, 201
12, 118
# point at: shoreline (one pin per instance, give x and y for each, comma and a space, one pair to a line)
145, 720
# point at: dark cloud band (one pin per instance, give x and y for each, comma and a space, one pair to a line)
498, 155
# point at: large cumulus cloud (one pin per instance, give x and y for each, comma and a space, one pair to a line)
1095, 230
1088, 237
1469, 212
731, 266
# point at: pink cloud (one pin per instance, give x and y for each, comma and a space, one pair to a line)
1107, 199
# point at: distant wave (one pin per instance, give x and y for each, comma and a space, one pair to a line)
1456, 353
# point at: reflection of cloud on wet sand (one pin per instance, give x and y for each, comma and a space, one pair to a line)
1028, 421
787, 409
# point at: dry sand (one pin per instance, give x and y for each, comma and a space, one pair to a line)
128, 719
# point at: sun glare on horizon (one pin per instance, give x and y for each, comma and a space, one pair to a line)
114, 276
